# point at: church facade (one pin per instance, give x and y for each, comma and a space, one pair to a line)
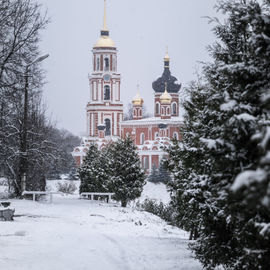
104, 110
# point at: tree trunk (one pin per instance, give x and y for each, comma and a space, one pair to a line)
191, 234
123, 203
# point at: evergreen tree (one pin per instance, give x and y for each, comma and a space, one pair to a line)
92, 173
126, 176
223, 138
153, 177
187, 164
159, 175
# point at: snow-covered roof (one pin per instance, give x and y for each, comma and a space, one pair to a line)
153, 120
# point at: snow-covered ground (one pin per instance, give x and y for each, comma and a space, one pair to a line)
79, 234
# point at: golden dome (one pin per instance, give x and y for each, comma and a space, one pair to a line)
104, 41
137, 100
166, 98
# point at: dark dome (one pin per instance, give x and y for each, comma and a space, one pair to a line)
159, 84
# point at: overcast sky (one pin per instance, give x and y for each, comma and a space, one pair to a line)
141, 30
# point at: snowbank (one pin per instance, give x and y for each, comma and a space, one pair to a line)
156, 192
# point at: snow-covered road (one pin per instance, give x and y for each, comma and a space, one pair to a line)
75, 234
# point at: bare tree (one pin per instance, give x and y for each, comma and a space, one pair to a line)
20, 24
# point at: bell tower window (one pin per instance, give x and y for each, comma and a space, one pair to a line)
98, 64
107, 93
106, 64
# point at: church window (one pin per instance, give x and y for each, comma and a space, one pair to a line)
106, 64
168, 111
142, 138
175, 135
107, 127
162, 111
157, 108
146, 163
174, 112
156, 135
107, 94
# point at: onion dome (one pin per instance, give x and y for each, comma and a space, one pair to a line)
166, 77
165, 98
104, 41
137, 100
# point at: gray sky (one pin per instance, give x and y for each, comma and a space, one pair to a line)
141, 30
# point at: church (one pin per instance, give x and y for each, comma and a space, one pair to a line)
104, 110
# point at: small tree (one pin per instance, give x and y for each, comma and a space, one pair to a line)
127, 178
159, 175
93, 172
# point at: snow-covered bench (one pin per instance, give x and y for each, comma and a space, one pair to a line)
34, 193
90, 195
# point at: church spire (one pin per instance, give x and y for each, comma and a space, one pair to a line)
105, 18
105, 31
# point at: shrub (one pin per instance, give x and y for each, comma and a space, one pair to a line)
162, 210
66, 187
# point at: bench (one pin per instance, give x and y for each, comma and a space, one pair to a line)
34, 193
6, 214
92, 194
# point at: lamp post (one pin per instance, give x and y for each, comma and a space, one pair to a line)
23, 163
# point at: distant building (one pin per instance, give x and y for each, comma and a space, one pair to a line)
105, 108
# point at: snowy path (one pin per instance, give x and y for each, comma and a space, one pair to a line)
74, 234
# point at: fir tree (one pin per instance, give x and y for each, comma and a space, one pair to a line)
187, 165
159, 175
126, 176
223, 138
153, 177
93, 173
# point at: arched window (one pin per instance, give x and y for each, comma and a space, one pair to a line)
168, 111
142, 138
146, 163
174, 112
107, 94
156, 135
108, 127
157, 108
162, 110
134, 112
140, 112
175, 135
106, 64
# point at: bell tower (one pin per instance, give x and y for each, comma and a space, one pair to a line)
105, 106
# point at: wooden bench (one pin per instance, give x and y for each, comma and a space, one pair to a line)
90, 195
34, 193
6, 214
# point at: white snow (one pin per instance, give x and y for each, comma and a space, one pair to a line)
246, 117
248, 177
78, 234
211, 144
156, 192
228, 105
